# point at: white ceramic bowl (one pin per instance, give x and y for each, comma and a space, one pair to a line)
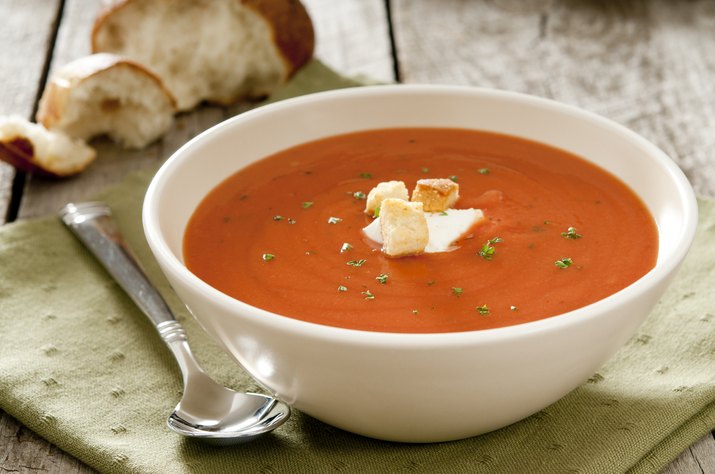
418, 387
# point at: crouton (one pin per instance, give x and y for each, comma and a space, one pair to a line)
403, 227
436, 194
384, 190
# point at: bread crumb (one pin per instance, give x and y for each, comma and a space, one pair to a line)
32, 148
436, 194
385, 190
403, 227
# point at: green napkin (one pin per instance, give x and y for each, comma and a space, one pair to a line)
81, 366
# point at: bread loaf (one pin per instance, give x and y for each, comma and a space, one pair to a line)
32, 148
105, 94
218, 51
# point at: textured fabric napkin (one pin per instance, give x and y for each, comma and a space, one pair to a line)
81, 366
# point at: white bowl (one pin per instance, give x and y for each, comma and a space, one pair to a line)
418, 387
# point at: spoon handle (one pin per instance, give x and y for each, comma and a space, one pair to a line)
92, 223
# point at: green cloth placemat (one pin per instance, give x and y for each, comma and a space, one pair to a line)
81, 366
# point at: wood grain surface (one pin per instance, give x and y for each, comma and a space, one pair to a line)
647, 64
27, 42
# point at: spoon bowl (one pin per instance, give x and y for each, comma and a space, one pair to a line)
232, 418
207, 410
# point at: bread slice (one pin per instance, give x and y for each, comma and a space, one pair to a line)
32, 148
403, 226
106, 94
218, 51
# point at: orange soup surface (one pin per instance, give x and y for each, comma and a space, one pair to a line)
285, 233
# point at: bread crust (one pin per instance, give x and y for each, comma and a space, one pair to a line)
32, 148
103, 15
292, 29
19, 152
56, 95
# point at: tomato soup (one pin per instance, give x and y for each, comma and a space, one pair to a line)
285, 233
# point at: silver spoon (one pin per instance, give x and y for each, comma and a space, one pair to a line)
207, 410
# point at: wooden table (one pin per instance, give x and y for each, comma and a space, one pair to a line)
648, 64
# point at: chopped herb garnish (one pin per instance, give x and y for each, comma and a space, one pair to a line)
453, 178
267, 257
547, 222
377, 212
357, 263
366, 175
334, 220
513, 308
483, 309
483, 170
456, 291
307, 204
487, 251
346, 246
277, 218
431, 282
571, 234
425, 170
368, 295
564, 262
359, 195
291, 221
342, 288
382, 278
443, 213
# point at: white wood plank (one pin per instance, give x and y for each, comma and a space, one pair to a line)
646, 64
704, 452
352, 37
24, 52
73, 36
25, 38
699, 458
23, 451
